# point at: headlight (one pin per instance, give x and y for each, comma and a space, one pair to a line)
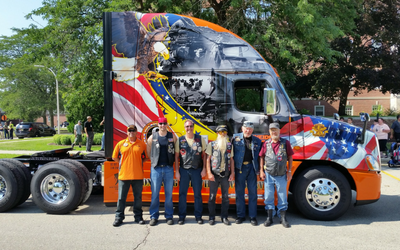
372, 163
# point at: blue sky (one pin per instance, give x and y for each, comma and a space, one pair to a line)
12, 15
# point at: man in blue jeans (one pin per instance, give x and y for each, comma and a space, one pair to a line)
274, 170
189, 152
246, 148
160, 147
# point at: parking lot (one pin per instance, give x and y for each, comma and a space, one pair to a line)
373, 226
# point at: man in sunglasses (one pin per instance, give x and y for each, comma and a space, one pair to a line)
220, 171
161, 148
131, 152
189, 152
246, 149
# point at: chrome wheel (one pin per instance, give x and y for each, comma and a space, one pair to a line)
54, 188
323, 194
3, 187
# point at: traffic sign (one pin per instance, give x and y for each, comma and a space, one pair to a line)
4, 118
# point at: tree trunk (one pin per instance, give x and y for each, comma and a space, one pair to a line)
51, 119
343, 100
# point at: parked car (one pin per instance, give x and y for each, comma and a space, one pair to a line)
64, 124
33, 129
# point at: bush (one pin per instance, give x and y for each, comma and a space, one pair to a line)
66, 140
57, 139
375, 113
304, 112
97, 138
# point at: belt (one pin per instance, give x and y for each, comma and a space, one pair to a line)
161, 166
246, 162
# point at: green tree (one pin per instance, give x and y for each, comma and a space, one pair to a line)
369, 58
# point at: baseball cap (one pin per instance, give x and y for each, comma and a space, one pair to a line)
132, 127
248, 124
274, 125
221, 128
162, 120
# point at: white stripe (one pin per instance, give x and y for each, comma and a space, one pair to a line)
319, 154
147, 97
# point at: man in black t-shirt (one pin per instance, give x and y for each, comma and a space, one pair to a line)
395, 129
89, 134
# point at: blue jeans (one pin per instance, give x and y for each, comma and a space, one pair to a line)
160, 175
193, 175
247, 174
102, 142
123, 189
280, 182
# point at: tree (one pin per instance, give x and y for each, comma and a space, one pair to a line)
369, 58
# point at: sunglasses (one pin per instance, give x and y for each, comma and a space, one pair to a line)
222, 132
190, 126
162, 123
132, 130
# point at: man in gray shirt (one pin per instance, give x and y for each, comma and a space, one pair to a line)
78, 134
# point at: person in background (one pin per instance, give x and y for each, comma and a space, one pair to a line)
89, 134
395, 129
6, 132
350, 121
11, 129
341, 119
102, 138
132, 151
220, 171
78, 134
1, 131
382, 130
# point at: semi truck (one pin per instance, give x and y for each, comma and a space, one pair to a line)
180, 67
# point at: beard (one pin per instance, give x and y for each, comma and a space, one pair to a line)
275, 137
221, 142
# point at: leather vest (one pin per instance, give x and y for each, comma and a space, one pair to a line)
155, 149
275, 165
239, 149
216, 159
190, 157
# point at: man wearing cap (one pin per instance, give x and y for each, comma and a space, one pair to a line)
78, 134
89, 134
220, 170
246, 149
191, 162
160, 147
275, 153
131, 151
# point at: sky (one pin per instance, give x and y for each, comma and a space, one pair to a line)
12, 15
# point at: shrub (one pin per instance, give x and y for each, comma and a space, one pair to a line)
65, 140
57, 139
304, 112
97, 138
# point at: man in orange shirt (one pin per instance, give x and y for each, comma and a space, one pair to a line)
132, 152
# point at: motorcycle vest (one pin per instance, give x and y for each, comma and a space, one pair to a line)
275, 164
190, 157
216, 159
155, 149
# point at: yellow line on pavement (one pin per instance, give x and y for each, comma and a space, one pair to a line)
394, 177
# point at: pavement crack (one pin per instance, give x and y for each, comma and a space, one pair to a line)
144, 239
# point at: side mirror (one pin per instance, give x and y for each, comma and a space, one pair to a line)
364, 117
269, 101
336, 116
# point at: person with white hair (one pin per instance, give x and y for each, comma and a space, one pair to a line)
220, 171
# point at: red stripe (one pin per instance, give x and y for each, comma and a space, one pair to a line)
149, 89
119, 131
312, 149
371, 145
134, 97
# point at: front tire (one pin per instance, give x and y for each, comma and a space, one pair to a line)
322, 193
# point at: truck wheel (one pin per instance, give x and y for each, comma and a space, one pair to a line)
56, 189
322, 193
81, 176
88, 179
11, 186
27, 178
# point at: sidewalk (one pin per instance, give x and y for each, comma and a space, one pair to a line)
26, 152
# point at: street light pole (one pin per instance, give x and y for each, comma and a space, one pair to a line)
58, 102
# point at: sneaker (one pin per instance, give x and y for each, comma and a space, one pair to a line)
153, 222
170, 222
101, 149
181, 221
211, 222
226, 221
72, 146
199, 220
140, 221
117, 223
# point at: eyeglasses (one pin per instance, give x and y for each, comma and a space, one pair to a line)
162, 123
222, 132
132, 130
190, 126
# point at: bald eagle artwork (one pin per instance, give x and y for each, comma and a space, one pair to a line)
138, 46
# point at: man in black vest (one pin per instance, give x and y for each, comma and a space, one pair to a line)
395, 129
274, 156
189, 152
220, 170
160, 147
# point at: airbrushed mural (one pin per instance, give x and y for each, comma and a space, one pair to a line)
182, 68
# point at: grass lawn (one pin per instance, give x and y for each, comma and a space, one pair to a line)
37, 144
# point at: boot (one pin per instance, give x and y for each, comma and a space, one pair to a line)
269, 221
284, 222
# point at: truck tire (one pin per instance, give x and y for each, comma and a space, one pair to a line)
80, 176
322, 193
88, 179
8, 188
18, 188
56, 189
27, 180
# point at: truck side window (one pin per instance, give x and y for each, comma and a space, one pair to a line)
249, 95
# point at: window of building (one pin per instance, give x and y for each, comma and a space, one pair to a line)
319, 110
349, 110
376, 108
